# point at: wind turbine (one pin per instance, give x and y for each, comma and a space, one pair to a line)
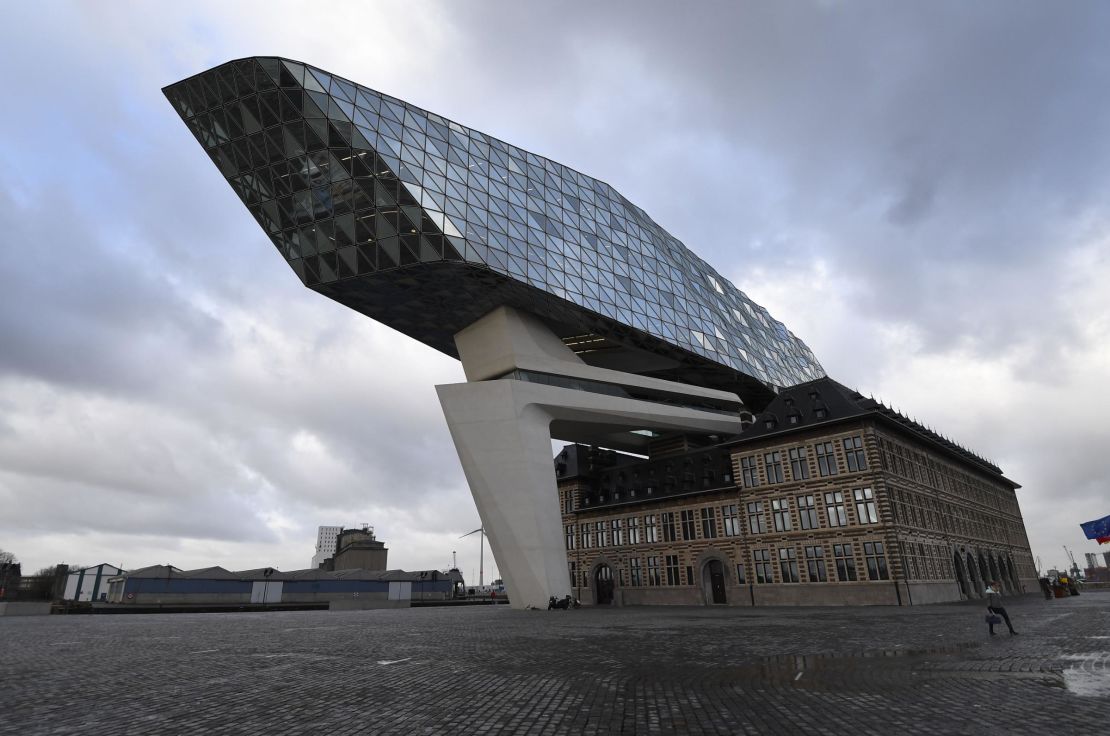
481, 554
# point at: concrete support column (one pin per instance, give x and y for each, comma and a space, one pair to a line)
505, 448
503, 420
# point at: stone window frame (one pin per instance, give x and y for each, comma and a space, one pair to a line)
772, 466
708, 523
867, 512
816, 570
762, 566
825, 454
844, 558
780, 515
756, 513
671, 566
807, 511
788, 564
799, 463
838, 505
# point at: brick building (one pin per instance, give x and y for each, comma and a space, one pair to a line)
826, 497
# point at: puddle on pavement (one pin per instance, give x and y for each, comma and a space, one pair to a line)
1090, 677
811, 670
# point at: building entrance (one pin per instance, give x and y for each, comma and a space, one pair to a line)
713, 582
603, 585
958, 566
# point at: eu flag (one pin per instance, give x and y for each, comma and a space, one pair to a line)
1097, 529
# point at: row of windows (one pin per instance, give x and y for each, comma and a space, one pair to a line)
922, 468
801, 463
923, 511
814, 566
922, 561
835, 505
834, 508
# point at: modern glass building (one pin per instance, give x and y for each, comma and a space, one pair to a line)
575, 315
426, 226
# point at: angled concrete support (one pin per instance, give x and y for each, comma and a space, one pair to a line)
503, 421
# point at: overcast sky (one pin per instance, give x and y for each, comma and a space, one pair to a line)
919, 191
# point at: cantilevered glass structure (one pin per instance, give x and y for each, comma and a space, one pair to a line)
426, 225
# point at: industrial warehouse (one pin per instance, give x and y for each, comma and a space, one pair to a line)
165, 585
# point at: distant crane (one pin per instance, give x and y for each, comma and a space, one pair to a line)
481, 554
1074, 567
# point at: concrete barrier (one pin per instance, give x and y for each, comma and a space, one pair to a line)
360, 604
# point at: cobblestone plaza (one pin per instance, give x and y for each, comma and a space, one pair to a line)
929, 669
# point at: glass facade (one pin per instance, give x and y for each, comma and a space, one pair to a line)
426, 225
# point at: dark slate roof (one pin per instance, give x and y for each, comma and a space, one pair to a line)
575, 460
824, 401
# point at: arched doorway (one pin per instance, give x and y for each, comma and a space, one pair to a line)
603, 585
1011, 573
961, 578
994, 569
973, 575
713, 582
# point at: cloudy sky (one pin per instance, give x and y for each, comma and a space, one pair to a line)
919, 191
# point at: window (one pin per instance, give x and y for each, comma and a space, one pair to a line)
653, 570
634, 530
757, 523
788, 565
854, 455
780, 510
763, 572
651, 532
573, 574
826, 458
672, 570
815, 564
865, 506
602, 534
568, 503
834, 507
876, 561
799, 463
587, 536
635, 574
618, 532
668, 526
689, 529
772, 463
689, 575
807, 512
845, 557
708, 524
748, 472
740, 577
731, 520
570, 536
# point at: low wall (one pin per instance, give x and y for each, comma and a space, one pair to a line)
367, 603
923, 593
828, 594
25, 608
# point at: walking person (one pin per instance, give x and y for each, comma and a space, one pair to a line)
994, 606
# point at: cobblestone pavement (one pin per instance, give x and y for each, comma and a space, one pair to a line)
491, 670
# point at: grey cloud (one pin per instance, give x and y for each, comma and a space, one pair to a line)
75, 310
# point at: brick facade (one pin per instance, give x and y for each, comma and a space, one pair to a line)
863, 509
